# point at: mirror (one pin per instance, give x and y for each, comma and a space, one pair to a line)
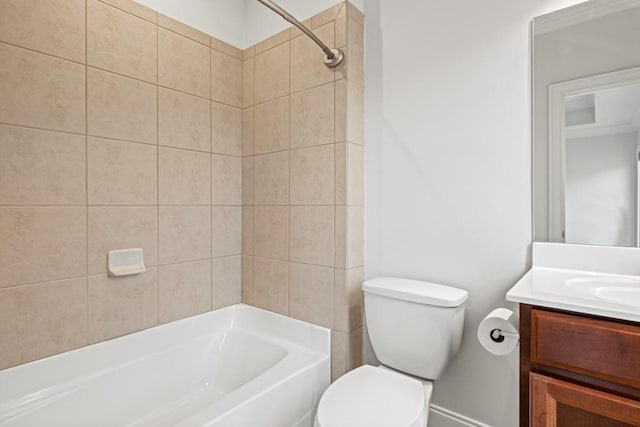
594, 131
586, 124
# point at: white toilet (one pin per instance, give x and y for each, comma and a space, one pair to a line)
415, 329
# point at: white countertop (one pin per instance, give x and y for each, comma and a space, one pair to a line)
602, 294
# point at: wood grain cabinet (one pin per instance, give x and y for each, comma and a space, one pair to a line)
578, 370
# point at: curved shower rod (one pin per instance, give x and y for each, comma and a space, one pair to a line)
334, 56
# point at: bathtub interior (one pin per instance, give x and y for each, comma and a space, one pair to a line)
211, 364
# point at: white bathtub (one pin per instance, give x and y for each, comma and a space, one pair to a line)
237, 366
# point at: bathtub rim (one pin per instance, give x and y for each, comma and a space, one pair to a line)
99, 358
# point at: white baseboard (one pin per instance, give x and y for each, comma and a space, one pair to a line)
442, 417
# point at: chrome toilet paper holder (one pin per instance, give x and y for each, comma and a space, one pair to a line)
498, 335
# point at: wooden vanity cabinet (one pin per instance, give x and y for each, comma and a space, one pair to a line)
578, 370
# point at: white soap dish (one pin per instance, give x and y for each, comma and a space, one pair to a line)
125, 262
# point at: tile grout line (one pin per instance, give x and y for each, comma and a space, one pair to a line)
157, 24
45, 282
164, 27
131, 13
86, 134
86, 153
253, 181
289, 152
65, 132
49, 55
335, 174
302, 262
297, 92
162, 86
211, 191
119, 205
343, 239
157, 27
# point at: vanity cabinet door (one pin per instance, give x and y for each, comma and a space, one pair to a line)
594, 347
556, 403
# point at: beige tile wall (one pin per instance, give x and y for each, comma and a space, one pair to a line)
119, 128
240, 174
303, 179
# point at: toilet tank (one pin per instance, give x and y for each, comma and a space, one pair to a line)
414, 326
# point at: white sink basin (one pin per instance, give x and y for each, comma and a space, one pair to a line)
622, 290
603, 281
619, 294
609, 295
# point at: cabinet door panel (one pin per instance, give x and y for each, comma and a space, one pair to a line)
599, 348
556, 403
569, 416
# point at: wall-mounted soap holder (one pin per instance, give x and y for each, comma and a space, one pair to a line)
125, 262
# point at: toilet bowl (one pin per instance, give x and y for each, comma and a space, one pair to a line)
375, 397
415, 329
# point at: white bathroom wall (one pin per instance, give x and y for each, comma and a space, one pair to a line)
222, 19
448, 158
601, 189
261, 23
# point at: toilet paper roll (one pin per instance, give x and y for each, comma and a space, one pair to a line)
498, 332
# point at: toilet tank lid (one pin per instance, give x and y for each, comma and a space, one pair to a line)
416, 291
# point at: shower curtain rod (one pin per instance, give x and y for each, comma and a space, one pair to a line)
334, 56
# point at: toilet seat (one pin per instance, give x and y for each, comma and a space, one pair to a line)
372, 397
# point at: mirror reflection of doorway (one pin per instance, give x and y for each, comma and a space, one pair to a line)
602, 138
